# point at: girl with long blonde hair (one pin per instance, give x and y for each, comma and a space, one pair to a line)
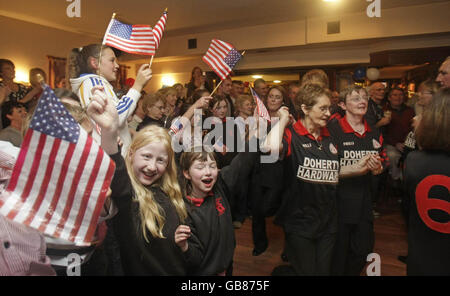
147, 194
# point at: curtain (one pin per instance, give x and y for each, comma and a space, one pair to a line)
122, 77
56, 71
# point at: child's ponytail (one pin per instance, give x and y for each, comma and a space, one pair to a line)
78, 60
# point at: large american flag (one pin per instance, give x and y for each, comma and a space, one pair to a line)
260, 110
61, 176
221, 58
135, 39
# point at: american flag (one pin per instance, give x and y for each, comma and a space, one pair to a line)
221, 58
176, 127
135, 39
260, 110
158, 30
61, 176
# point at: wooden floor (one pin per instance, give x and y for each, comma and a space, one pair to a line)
390, 242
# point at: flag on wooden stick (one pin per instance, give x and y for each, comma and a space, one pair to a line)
61, 177
221, 57
134, 39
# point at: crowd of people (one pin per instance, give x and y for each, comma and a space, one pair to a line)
172, 212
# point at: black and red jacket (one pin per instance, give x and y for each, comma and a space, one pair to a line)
212, 242
354, 194
312, 169
427, 184
159, 256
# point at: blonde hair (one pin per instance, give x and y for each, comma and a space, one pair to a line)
151, 99
316, 76
151, 214
241, 99
166, 91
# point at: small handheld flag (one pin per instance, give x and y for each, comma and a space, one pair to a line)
260, 110
221, 57
134, 39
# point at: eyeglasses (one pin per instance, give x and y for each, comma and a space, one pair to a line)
324, 109
422, 93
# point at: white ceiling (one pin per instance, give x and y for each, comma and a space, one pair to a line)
185, 16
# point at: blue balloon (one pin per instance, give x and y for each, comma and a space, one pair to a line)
360, 73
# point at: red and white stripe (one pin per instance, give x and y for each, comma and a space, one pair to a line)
58, 187
260, 110
215, 56
141, 40
158, 30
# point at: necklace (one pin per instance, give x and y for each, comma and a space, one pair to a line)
360, 130
319, 144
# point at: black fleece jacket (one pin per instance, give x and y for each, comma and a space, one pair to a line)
160, 256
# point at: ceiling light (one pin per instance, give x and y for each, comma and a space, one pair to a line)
257, 76
277, 81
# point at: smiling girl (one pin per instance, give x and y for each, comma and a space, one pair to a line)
146, 192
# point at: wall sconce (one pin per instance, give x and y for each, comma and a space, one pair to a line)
22, 75
167, 80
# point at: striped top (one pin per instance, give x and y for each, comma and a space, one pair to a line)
22, 251
125, 105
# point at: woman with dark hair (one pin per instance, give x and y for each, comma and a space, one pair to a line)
198, 80
265, 189
396, 132
10, 90
425, 94
427, 183
218, 108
